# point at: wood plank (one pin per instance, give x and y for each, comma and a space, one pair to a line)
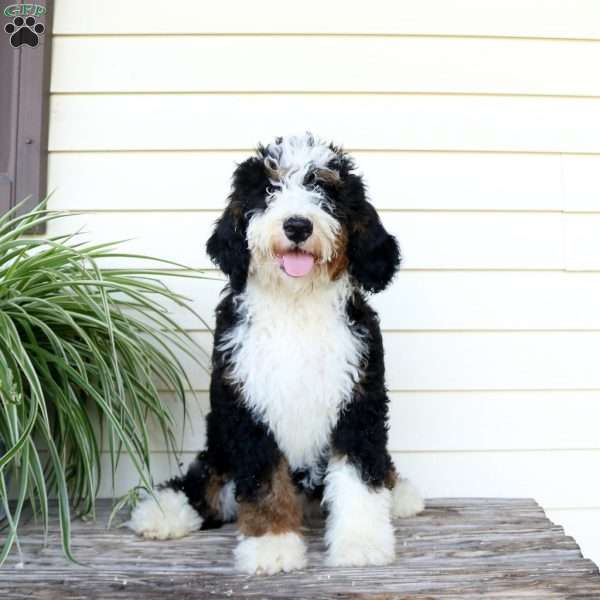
435, 421
390, 122
386, 64
458, 548
434, 17
429, 240
396, 180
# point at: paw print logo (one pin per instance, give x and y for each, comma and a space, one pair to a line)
24, 31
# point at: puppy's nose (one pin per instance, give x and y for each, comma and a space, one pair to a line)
297, 229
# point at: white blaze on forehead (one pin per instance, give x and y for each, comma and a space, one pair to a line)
294, 156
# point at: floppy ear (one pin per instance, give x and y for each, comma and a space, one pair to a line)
227, 246
373, 254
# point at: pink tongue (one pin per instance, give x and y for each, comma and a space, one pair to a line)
297, 264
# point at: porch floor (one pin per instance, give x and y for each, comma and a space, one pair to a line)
457, 549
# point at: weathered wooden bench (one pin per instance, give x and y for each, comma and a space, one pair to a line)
457, 549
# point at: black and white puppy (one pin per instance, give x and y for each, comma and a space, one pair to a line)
299, 407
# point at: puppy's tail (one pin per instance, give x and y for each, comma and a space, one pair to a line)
200, 499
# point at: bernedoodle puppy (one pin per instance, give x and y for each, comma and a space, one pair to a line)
299, 409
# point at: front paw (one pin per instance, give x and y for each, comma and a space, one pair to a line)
270, 553
360, 548
359, 525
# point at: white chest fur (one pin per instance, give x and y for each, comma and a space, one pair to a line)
297, 362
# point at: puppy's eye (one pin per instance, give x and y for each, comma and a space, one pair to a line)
311, 178
270, 195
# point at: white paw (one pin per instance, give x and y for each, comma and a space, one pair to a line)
172, 517
357, 555
406, 500
362, 548
359, 527
270, 553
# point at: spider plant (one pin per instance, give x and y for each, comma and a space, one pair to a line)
84, 350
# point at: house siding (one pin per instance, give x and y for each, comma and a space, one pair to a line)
477, 127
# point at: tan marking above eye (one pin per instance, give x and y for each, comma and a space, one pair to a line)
272, 168
274, 171
327, 176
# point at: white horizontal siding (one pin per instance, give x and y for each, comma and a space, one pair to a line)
396, 180
492, 360
438, 421
370, 121
451, 300
385, 64
551, 477
529, 18
477, 360
476, 124
583, 525
430, 240
582, 182
582, 241
513, 300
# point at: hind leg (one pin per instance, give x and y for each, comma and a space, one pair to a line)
406, 499
167, 516
199, 499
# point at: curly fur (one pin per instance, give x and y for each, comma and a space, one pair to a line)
298, 376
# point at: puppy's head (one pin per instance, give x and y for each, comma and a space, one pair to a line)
298, 217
